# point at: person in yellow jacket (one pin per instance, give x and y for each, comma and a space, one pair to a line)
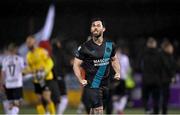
40, 65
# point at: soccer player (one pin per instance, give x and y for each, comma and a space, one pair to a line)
95, 56
3, 97
12, 67
40, 66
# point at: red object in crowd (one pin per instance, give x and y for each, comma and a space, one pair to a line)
46, 45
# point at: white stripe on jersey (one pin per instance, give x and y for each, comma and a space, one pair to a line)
12, 66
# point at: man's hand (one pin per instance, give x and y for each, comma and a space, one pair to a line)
83, 82
40, 74
117, 76
40, 77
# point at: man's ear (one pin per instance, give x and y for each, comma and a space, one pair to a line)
104, 29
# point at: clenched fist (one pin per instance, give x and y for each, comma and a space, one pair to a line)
83, 82
117, 76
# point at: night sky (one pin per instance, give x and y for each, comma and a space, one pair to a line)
126, 19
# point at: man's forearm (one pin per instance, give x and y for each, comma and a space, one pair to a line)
77, 68
77, 72
116, 66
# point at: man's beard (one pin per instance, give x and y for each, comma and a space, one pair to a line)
97, 36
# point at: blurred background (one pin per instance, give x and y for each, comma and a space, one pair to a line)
128, 22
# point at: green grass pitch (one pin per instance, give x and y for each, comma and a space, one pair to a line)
31, 110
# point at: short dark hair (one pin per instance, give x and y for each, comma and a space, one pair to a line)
98, 19
12, 47
31, 36
165, 44
151, 41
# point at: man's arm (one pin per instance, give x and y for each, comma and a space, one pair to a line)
2, 80
116, 67
77, 71
28, 68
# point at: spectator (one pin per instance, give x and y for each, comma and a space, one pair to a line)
151, 68
168, 74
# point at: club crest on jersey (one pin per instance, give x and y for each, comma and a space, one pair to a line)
108, 49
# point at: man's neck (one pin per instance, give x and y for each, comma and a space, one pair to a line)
32, 49
98, 41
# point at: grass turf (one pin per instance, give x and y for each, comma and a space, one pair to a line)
31, 110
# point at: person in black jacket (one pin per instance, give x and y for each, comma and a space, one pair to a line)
168, 73
58, 55
151, 69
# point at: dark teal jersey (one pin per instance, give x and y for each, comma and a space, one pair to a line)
96, 61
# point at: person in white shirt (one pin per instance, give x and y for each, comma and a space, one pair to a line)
11, 79
120, 95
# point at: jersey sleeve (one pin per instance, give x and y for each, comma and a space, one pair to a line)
22, 64
3, 65
28, 68
79, 53
114, 49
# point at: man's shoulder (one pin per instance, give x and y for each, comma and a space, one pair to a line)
7, 58
17, 57
108, 40
4, 59
40, 49
87, 42
84, 44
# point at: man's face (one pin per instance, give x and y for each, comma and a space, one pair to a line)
97, 28
169, 49
30, 42
58, 44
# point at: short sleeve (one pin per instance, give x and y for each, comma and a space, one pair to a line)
114, 49
3, 64
79, 53
22, 63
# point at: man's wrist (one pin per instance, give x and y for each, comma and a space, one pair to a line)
80, 79
117, 73
117, 76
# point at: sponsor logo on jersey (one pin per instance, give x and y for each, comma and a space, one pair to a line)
101, 62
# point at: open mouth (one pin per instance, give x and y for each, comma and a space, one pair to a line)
95, 32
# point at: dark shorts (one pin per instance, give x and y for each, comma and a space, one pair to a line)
62, 87
14, 93
53, 86
94, 97
121, 89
